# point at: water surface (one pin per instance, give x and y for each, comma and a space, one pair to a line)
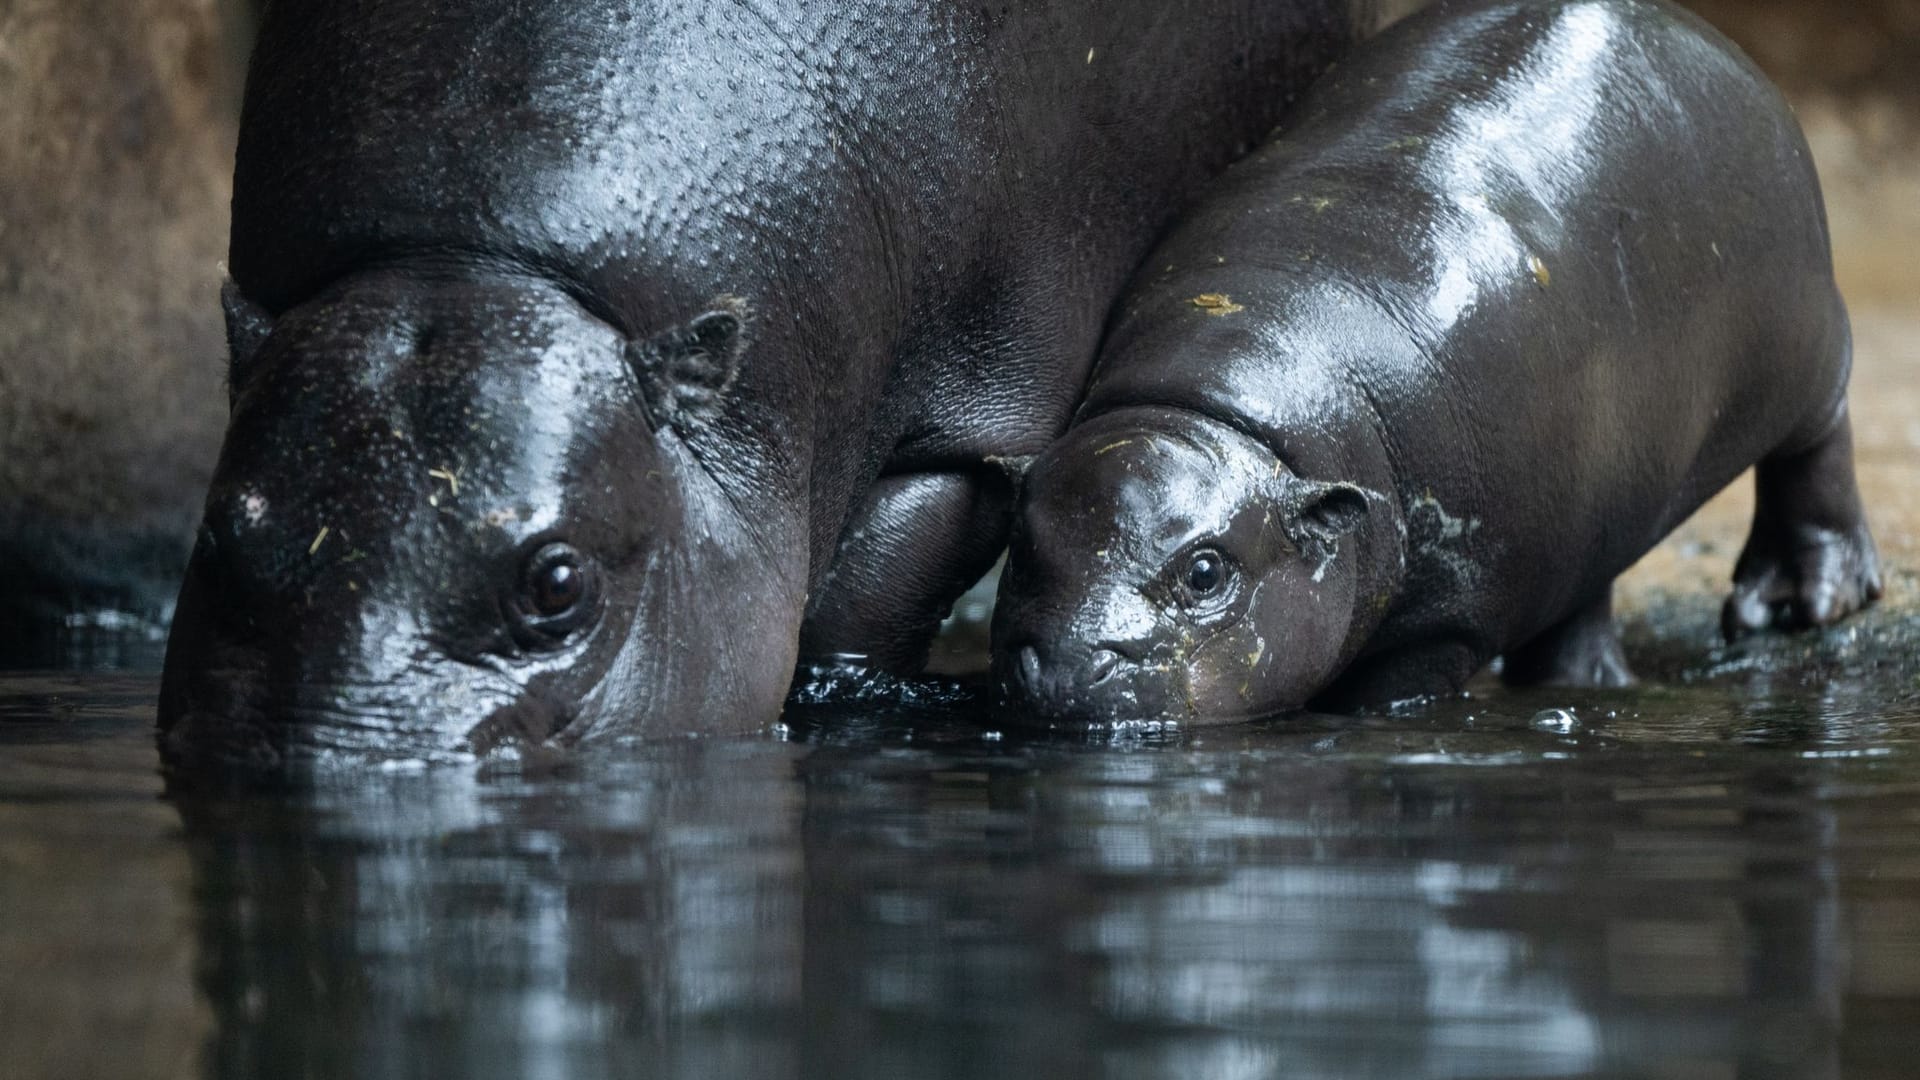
1716, 875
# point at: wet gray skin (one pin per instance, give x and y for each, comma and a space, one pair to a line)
1517, 288
594, 362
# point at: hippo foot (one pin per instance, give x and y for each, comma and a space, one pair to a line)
915, 545
1809, 560
1799, 578
1582, 650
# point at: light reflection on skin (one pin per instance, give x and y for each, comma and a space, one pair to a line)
1518, 135
501, 493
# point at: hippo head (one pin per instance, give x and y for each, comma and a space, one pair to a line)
459, 510
1168, 567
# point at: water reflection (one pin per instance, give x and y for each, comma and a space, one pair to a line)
1696, 886
502, 925
1716, 875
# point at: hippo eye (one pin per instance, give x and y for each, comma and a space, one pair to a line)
1206, 573
555, 587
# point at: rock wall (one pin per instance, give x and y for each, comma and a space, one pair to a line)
117, 123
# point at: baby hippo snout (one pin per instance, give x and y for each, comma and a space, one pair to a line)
1064, 681
1064, 673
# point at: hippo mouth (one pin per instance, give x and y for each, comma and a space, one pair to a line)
304, 740
1105, 690
233, 722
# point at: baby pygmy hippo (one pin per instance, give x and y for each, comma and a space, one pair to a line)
1517, 288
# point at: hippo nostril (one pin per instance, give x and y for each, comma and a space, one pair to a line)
1101, 666
1030, 667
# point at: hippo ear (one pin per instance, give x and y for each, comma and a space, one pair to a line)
685, 373
1316, 515
248, 325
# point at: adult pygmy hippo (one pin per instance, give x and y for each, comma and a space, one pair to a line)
1518, 287
580, 350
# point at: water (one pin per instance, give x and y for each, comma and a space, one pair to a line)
1717, 875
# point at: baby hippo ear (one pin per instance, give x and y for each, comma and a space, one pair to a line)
1316, 515
248, 325
685, 372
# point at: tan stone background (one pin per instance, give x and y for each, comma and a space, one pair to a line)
117, 124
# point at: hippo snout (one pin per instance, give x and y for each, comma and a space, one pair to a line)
1064, 672
1067, 682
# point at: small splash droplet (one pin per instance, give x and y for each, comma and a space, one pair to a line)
1556, 721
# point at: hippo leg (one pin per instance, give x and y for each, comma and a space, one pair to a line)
1809, 560
1582, 649
906, 555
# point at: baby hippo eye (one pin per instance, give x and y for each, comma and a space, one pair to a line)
1206, 572
556, 590
557, 586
